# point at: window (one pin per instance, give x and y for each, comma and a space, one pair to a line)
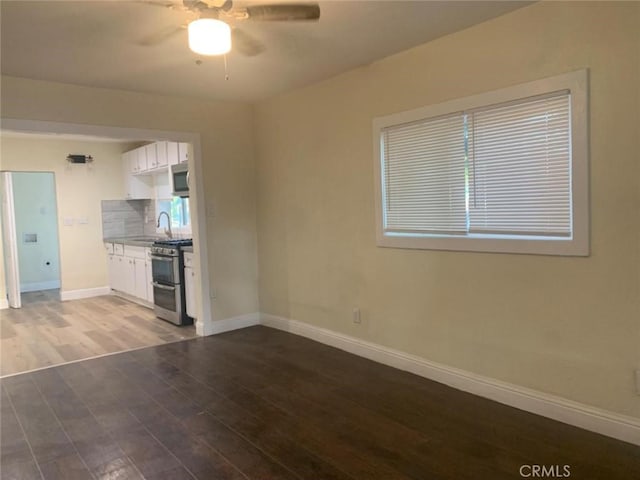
504, 171
178, 210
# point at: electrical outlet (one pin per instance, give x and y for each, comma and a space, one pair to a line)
638, 381
355, 315
213, 293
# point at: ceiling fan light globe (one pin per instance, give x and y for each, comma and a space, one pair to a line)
208, 36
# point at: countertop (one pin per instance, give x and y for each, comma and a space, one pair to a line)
187, 249
140, 241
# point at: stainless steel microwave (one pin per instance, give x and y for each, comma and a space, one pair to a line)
180, 180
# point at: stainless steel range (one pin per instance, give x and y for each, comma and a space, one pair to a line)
167, 262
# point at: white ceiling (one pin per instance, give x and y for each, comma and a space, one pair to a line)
97, 43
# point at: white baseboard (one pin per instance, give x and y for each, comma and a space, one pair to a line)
37, 286
232, 323
4, 303
84, 293
557, 408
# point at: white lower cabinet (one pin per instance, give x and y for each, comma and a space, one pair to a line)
140, 275
116, 272
190, 285
129, 285
130, 272
149, 296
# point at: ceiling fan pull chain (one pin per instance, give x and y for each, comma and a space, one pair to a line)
226, 69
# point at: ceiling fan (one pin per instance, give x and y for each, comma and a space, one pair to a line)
210, 33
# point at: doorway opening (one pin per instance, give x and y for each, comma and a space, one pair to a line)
29, 217
197, 213
38, 245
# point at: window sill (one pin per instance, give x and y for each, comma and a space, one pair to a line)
479, 243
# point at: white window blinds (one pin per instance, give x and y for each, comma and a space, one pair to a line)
503, 170
520, 168
423, 170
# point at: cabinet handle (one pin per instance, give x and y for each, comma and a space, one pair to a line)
162, 259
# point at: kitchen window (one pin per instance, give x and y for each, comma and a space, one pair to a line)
503, 171
178, 210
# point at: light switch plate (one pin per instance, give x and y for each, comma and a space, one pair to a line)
67, 221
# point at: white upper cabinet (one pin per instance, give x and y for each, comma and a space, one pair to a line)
161, 155
183, 152
172, 153
131, 159
146, 167
151, 152
141, 155
157, 156
136, 186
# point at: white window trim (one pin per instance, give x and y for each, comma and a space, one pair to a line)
578, 245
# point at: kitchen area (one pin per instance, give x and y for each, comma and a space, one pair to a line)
128, 268
147, 237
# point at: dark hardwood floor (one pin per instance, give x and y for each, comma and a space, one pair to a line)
263, 404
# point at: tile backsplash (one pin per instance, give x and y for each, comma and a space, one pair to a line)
128, 218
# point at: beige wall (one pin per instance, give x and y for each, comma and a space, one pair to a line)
79, 190
561, 325
228, 164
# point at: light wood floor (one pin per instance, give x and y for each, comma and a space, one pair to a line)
48, 332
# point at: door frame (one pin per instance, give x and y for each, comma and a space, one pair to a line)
204, 325
10, 244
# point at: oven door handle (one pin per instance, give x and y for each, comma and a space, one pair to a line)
163, 287
162, 259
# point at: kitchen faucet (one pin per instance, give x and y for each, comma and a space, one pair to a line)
167, 231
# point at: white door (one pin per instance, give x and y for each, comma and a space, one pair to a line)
10, 242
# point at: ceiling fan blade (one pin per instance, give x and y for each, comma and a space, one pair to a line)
284, 12
160, 36
245, 44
